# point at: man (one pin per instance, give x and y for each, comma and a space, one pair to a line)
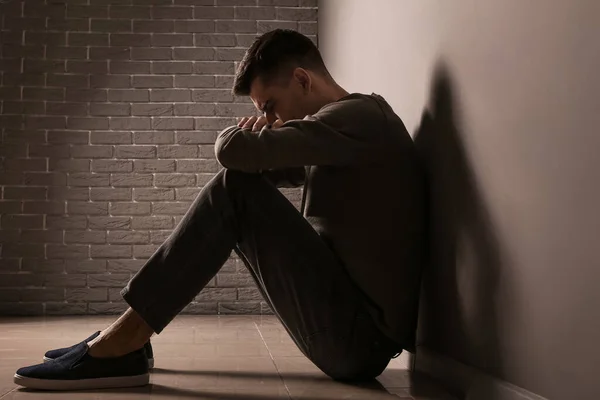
342, 275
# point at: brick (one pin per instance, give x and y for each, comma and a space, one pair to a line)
107, 308
131, 180
68, 24
170, 208
215, 39
212, 12
15, 65
43, 65
154, 165
49, 94
217, 294
111, 81
151, 81
110, 109
308, 28
44, 266
194, 109
24, 193
87, 123
60, 52
90, 67
154, 222
111, 251
194, 26
147, 194
64, 193
186, 194
128, 208
278, 3
122, 123
194, 81
235, 280
45, 122
249, 294
196, 2
41, 236
175, 123
111, 194
172, 12
214, 123
144, 251
235, 26
10, 207
240, 307
129, 67
23, 135
66, 109
296, 14
230, 266
110, 137
25, 164
25, 79
177, 151
10, 93
112, 165
135, 152
85, 266
85, 237
63, 222
23, 107
111, 25
128, 237
195, 137
86, 294
11, 178
50, 38
174, 180
21, 308
18, 150
133, 12
236, 2
201, 308
235, 110
109, 223
11, 121
254, 13
87, 39
266, 26
152, 137
9, 265
86, 11
94, 151
131, 39
66, 308
214, 67
67, 252
21, 280
22, 221
152, 109
108, 280
88, 179
170, 95
172, 67
68, 165
308, 3
224, 81
86, 95
125, 265
159, 237
110, 53
45, 179
172, 39
193, 53
130, 95
44, 207
87, 208
211, 95
197, 166
153, 26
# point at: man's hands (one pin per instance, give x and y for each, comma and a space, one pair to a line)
257, 123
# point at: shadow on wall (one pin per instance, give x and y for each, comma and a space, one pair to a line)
458, 316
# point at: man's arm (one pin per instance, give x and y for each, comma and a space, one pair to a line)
286, 178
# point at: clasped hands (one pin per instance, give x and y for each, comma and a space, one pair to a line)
257, 123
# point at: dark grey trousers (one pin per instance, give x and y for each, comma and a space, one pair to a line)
298, 274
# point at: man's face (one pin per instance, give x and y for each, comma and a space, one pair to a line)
280, 100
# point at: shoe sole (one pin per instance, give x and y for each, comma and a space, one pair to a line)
150, 362
77, 384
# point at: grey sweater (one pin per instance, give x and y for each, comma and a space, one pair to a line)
364, 194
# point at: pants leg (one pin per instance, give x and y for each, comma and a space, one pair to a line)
298, 274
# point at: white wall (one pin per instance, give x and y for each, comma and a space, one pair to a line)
512, 146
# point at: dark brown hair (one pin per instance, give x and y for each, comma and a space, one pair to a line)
273, 54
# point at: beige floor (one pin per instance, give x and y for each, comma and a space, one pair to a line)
204, 357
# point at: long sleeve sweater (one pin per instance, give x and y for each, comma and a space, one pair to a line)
364, 194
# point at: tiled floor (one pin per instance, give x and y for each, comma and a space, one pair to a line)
204, 357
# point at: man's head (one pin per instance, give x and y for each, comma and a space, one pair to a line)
284, 75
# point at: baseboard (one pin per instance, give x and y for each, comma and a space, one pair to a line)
470, 382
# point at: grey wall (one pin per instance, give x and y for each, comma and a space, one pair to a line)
109, 112
502, 99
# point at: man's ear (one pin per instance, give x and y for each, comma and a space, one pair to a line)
303, 78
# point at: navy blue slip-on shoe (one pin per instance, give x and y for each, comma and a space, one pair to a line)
77, 370
52, 354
